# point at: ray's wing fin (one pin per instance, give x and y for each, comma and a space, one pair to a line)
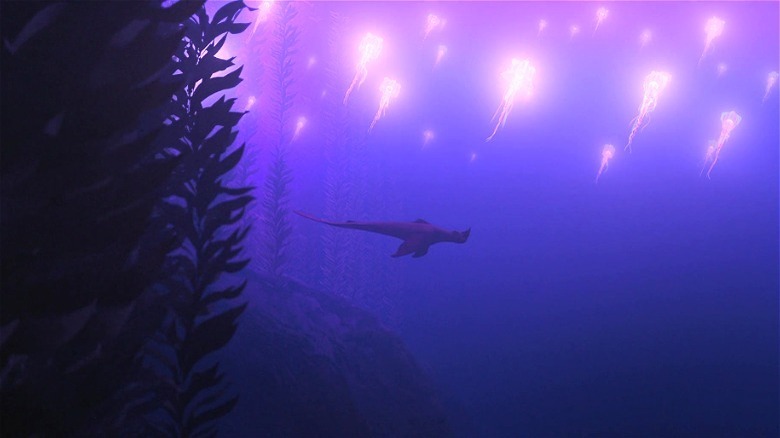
409, 246
421, 221
421, 252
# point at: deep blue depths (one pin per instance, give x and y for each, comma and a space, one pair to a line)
646, 305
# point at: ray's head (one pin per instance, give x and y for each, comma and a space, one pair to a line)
461, 236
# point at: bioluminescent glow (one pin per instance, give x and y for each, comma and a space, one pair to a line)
432, 22
601, 15
607, 152
250, 102
427, 137
370, 47
263, 12
645, 37
440, 52
713, 29
654, 83
542, 27
722, 69
708, 156
390, 89
473, 157
299, 125
771, 81
311, 62
573, 31
729, 121
520, 75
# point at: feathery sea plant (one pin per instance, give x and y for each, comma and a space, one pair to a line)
80, 180
205, 213
276, 219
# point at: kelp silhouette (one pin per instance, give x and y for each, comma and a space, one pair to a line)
79, 183
205, 214
276, 212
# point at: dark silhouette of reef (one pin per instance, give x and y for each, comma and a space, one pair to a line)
323, 367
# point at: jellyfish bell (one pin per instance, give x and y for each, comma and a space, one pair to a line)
645, 37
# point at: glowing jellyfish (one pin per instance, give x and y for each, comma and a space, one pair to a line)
729, 121
520, 75
722, 69
573, 31
542, 27
645, 37
370, 48
427, 137
606, 154
771, 80
473, 157
713, 29
440, 52
655, 82
433, 22
708, 156
390, 90
311, 63
299, 125
250, 102
263, 12
601, 15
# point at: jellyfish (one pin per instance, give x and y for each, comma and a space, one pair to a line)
606, 154
573, 31
250, 102
370, 48
520, 75
433, 22
655, 82
312, 61
427, 137
729, 121
542, 26
713, 29
645, 37
601, 15
708, 156
263, 12
722, 68
390, 90
440, 52
771, 80
298, 127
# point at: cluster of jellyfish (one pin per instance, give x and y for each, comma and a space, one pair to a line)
519, 76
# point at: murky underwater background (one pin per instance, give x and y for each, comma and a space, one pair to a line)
645, 304
157, 281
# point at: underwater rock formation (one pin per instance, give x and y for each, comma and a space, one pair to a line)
311, 364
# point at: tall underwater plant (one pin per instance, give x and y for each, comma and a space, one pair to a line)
205, 213
337, 276
80, 177
276, 212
